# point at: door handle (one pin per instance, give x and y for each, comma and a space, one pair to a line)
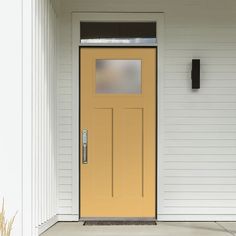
85, 146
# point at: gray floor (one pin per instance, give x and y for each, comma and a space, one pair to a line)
162, 229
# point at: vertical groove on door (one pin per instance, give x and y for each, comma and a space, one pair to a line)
112, 152
142, 152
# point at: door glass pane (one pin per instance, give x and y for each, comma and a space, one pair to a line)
118, 76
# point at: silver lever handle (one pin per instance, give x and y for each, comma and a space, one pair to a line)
85, 146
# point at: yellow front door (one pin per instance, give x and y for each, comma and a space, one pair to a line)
118, 132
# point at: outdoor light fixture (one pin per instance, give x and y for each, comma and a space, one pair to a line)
195, 74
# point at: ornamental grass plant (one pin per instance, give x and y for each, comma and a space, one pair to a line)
5, 225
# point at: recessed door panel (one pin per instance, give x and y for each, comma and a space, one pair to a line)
101, 142
118, 112
129, 159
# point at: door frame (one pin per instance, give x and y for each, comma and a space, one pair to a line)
156, 123
76, 45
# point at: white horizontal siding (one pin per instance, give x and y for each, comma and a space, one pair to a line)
198, 164
64, 118
197, 167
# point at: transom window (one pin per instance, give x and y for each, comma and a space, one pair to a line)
118, 32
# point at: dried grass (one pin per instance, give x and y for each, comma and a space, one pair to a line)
5, 225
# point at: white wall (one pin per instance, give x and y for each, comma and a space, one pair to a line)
43, 115
28, 120
11, 110
197, 167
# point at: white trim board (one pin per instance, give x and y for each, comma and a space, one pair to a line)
109, 17
27, 70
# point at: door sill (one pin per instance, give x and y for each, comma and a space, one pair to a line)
117, 219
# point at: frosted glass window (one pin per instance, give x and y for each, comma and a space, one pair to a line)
118, 76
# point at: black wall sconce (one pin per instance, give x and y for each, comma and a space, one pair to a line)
195, 74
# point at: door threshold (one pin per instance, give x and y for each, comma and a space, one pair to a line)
128, 219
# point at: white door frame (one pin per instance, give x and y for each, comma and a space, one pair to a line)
109, 17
